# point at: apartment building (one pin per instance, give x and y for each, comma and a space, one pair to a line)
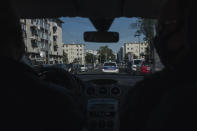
136, 49
43, 40
94, 52
75, 53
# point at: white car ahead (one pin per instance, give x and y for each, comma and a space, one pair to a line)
110, 67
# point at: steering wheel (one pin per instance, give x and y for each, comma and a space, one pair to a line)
69, 81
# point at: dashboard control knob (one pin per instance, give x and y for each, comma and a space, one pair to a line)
115, 91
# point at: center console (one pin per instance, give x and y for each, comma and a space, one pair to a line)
103, 105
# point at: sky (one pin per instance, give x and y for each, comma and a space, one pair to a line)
74, 27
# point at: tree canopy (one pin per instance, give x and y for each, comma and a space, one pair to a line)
147, 27
90, 58
106, 54
65, 57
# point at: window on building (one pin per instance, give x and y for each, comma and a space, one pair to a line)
33, 55
33, 31
34, 43
32, 21
54, 29
54, 38
55, 48
23, 26
37, 21
80, 49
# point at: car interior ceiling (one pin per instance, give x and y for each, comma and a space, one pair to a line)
92, 9
88, 8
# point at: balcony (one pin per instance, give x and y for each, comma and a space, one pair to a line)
34, 43
33, 25
55, 38
33, 37
55, 34
44, 47
55, 43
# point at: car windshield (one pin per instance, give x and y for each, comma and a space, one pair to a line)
137, 62
61, 42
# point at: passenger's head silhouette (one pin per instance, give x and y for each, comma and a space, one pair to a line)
12, 45
171, 41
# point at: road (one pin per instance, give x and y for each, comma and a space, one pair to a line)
99, 71
123, 77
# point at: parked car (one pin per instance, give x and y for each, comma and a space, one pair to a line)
83, 68
134, 66
90, 67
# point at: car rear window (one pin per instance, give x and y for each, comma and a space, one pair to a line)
109, 64
137, 62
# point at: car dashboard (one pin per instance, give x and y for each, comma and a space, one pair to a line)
105, 95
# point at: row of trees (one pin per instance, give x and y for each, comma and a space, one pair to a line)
146, 27
105, 54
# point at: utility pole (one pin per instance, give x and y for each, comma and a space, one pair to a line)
139, 45
48, 55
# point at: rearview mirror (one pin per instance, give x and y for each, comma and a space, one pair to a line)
101, 36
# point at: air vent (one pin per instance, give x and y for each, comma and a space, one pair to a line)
115, 91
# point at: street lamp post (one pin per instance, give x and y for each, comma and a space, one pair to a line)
137, 34
139, 45
48, 55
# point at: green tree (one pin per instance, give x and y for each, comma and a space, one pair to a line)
106, 54
126, 57
90, 58
76, 60
65, 57
146, 27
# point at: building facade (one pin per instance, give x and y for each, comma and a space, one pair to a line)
40, 43
121, 54
94, 52
137, 50
75, 53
